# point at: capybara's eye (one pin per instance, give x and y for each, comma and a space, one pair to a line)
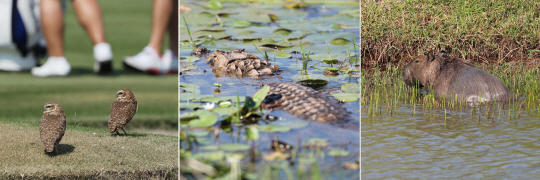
416, 61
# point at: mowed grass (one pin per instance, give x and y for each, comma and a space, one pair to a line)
86, 153
87, 97
480, 31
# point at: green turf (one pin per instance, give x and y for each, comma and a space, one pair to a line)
86, 153
87, 97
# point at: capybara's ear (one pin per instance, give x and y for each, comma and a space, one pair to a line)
430, 56
443, 54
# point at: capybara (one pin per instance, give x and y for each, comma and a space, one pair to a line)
454, 79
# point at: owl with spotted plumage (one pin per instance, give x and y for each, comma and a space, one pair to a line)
53, 126
122, 111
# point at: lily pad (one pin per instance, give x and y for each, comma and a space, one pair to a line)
189, 58
276, 155
330, 61
339, 41
190, 105
331, 69
351, 88
283, 31
186, 66
199, 133
234, 147
211, 156
314, 83
283, 55
224, 110
240, 23
213, 4
348, 97
210, 148
338, 152
333, 56
204, 121
272, 128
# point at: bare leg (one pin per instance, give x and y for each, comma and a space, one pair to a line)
53, 26
161, 14
90, 16
173, 29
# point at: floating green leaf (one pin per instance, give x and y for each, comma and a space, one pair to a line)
234, 147
206, 120
189, 58
348, 97
330, 61
210, 148
339, 41
338, 152
211, 156
331, 69
283, 31
351, 88
217, 84
186, 66
240, 23
283, 55
199, 133
213, 4
272, 128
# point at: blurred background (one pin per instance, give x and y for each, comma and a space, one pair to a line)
85, 96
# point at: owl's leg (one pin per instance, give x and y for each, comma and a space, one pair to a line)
124, 131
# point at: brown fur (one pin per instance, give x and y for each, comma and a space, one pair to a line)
454, 78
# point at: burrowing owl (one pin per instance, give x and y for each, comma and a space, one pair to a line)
122, 110
53, 126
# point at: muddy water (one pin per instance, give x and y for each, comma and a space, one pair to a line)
464, 146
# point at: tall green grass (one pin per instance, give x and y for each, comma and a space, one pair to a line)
478, 30
383, 91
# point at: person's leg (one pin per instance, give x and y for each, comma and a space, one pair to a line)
52, 22
173, 29
161, 15
170, 57
149, 59
90, 16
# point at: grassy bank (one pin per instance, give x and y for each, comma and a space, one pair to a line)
495, 31
86, 153
87, 97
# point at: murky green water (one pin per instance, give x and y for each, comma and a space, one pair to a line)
464, 146
314, 25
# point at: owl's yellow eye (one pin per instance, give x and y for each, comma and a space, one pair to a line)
49, 106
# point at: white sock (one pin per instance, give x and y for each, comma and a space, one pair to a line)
56, 59
103, 52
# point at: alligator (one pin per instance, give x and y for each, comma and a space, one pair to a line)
307, 103
237, 63
300, 101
